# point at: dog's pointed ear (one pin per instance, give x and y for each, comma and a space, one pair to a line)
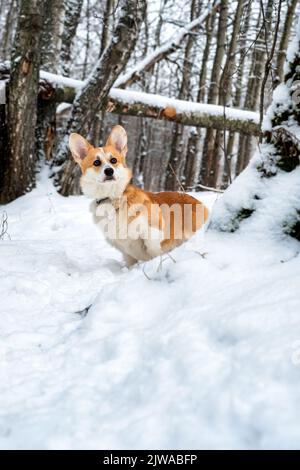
79, 147
118, 139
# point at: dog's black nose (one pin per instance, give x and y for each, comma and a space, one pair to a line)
109, 171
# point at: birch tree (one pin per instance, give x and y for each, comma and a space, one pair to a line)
19, 160
225, 99
176, 154
251, 102
50, 50
267, 193
191, 169
208, 150
281, 55
71, 20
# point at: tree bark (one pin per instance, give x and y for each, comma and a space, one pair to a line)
281, 55
182, 112
245, 149
50, 49
71, 19
105, 26
8, 31
19, 162
52, 34
87, 40
3, 135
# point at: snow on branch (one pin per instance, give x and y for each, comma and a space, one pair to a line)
170, 46
184, 112
159, 107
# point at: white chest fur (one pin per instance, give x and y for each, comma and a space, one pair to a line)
134, 238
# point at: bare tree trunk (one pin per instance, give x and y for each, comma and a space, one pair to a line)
50, 50
97, 132
8, 30
141, 154
71, 20
174, 165
142, 144
277, 158
225, 94
92, 97
192, 156
87, 39
3, 138
207, 171
52, 34
238, 86
285, 39
145, 166
20, 160
191, 161
105, 26
254, 85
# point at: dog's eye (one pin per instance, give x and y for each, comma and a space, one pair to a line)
113, 160
97, 163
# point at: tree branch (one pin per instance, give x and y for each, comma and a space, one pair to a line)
160, 53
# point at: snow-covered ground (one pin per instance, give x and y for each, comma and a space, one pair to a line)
202, 351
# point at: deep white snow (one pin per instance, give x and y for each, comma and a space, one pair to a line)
199, 352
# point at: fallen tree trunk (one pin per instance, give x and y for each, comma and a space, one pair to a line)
132, 103
183, 112
141, 104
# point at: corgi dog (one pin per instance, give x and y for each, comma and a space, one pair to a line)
141, 224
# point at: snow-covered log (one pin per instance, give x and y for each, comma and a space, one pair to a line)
183, 112
133, 103
159, 107
265, 198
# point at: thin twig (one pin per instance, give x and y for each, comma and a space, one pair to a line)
207, 188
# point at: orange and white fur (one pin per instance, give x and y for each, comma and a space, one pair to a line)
141, 224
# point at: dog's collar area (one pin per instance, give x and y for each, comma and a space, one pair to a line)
114, 202
100, 201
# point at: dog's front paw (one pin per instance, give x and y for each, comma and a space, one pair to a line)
129, 261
